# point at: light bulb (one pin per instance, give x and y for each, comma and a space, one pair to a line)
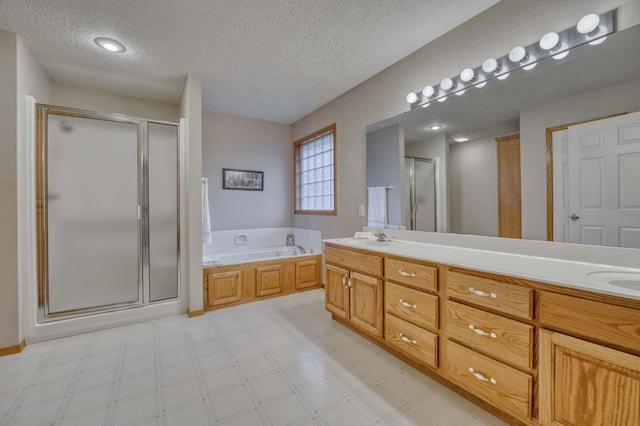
549, 41
517, 54
412, 97
425, 105
503, 76
490, 65
442, 99
481, 85
467, 75
529, 67
588, 23
428, 91
446, 84
460, 92
597, 41
561, 55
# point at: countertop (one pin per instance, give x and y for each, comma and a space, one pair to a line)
604, 279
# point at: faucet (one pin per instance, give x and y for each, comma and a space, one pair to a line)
381, 236
301, 249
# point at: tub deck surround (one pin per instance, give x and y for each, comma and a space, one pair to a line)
572, 274
521, 336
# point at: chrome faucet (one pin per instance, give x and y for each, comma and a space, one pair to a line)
301, 249
381, 236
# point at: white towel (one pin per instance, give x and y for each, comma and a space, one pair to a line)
377, 208
206, 217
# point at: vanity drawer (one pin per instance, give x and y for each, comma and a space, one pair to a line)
605, 322
499, 384
411, 305
412, 340
363, 262
499, 337
503, 297
411, 273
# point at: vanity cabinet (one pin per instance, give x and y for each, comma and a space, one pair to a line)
533, 353
487, 352
353, 290
411, 314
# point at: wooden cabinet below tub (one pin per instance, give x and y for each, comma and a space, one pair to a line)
234, 284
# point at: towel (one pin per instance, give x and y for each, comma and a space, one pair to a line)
206, 217
377, 208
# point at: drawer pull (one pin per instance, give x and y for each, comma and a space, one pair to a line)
406, 274
406, 339
482, 293
349, 283
407, 304
482, 332
344, 280
481, 377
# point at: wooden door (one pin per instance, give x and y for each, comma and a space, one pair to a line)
560, 150
307, 273
269, 280
224, 287
509, 200
366, 303
604, 171
585, 384
337, 291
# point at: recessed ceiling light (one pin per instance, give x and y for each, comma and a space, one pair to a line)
435, 127
461, 139
110, 44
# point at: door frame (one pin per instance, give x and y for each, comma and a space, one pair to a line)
549, 157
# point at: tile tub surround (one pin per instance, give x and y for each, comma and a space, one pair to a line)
567, 273
273, 362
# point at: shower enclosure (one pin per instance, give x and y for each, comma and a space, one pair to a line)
107, 212
421, 192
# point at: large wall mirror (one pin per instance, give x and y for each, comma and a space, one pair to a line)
459, 183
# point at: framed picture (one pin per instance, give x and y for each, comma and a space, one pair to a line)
247, 180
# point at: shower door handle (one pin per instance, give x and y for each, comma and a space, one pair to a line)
139, 212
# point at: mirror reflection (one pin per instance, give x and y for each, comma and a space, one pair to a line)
522, 157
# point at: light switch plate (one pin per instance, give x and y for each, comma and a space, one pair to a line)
361, 210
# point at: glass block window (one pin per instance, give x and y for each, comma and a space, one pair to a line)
315, 173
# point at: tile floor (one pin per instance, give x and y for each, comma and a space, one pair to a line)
276, 362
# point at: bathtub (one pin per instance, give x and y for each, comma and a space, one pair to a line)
257, 255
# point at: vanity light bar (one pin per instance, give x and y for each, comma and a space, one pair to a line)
592, 29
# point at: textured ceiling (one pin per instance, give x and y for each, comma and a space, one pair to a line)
276, 60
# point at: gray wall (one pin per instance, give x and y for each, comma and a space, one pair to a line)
9, 307
233, 142
385, 165
491, 34
473, 187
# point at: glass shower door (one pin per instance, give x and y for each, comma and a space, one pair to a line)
92, 237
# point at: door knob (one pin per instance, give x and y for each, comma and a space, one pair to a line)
574, 217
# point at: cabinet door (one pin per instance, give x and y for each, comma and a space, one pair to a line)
337, 292
582, 383
269, 280
224, 287
307, 273
366, 303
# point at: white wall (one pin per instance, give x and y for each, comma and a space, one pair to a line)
473, 187
233, 142
436, 148
93, 100
492, 33
535, 119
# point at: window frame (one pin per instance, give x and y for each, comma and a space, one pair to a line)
296, 155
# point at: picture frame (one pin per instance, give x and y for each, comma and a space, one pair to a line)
245, 180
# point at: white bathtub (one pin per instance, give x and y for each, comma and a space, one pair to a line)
257, 255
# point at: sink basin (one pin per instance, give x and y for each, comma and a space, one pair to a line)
366, 242
628, 280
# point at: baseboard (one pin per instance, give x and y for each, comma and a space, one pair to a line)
197, 313
10, 350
